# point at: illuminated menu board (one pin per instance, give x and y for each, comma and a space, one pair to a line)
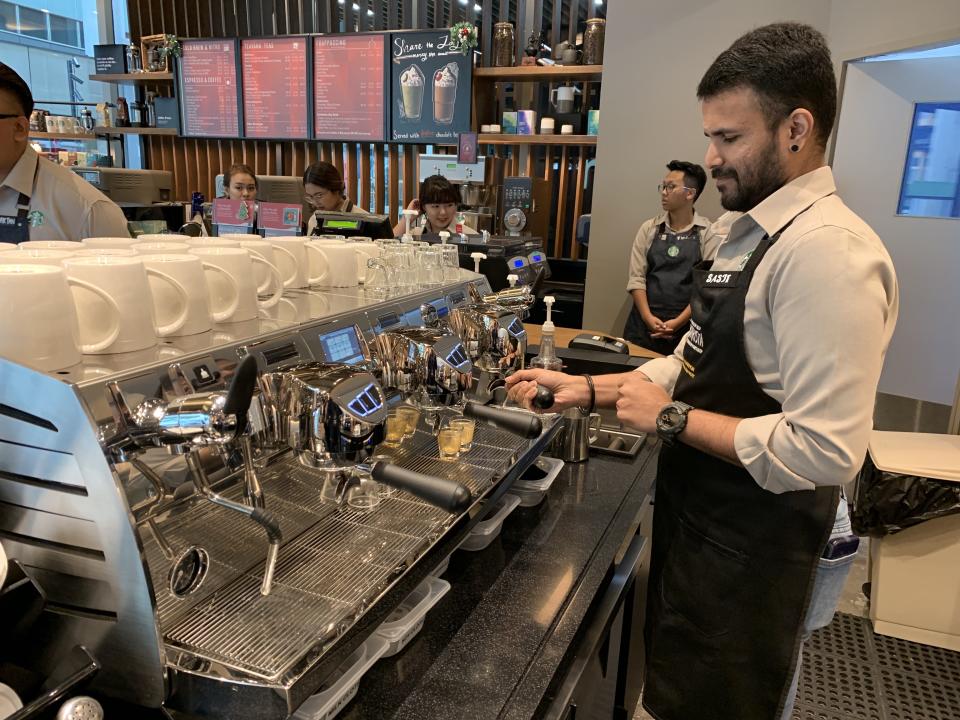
275, 88
209, 96
349, 86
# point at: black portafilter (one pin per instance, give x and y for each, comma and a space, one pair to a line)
517, 422
445, 494
240, 394
543, 400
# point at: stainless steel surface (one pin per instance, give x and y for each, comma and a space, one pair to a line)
80, 708
493, 336
579, 430
428, 365
164, 586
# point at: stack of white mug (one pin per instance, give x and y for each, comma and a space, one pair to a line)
73, 298
87, 297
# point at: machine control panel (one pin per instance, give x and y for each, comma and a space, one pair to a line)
518, 263
537, 257
517, 193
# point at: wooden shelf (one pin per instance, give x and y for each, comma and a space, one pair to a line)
505, 139
142, 77
535, 73
62, 136
134, 131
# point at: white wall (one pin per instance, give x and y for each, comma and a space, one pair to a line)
876, 112
656, 53
654, 57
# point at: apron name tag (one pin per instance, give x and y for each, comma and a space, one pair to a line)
721, 279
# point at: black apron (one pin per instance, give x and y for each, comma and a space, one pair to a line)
16, 228
671, 258
733, 565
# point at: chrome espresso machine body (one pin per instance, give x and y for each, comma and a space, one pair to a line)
183, 508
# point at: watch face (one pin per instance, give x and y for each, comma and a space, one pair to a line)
670, 416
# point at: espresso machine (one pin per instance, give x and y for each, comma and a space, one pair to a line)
475, 181
192, 512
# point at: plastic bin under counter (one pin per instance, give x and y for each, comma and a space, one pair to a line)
505, 638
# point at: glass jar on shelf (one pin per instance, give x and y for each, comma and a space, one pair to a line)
503, 44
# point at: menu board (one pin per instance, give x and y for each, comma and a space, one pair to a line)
430, 87
209, 94
349, 87
275, 88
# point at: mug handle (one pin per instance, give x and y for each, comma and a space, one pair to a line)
287, 282
275, 298
114, 332
181, 320
319, 279
594, 426
367, 272
235, 303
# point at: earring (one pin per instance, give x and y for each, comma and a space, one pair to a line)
794, 148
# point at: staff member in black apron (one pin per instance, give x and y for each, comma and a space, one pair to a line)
40, 200
661, 262
772, 389
326, 192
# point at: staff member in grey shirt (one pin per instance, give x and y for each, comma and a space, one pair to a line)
765, 407
40, 200
666, 249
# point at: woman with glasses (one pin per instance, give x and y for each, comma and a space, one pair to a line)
664, 252
437, 203
325, 190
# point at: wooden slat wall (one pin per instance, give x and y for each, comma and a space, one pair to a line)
392, 168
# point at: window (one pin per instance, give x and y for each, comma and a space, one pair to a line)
33, 23
931, 176
8, 17
66, 31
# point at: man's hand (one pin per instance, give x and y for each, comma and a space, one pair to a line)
639, 402
568, 390
653, 323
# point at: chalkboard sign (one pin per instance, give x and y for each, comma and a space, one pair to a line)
430, 88
109, 59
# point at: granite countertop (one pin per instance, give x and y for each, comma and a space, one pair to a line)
491, 646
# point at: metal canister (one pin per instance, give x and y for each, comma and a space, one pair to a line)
593, 41
38, 122
86, 120
503, 44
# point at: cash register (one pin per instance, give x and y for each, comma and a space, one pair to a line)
520, 255
353, 225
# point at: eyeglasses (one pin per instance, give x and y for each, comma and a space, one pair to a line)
7, 116
670, 187
316, 197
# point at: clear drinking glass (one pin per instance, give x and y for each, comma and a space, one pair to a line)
448, 442
450, 259
365, 495
394, 429
466, 427
410, 417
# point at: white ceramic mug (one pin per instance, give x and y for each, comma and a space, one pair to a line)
39, 334
335, 264
178, 286
196, 242
162, 248
98, 252
292, 254
367, 250
39, 256
241, 237
230, 281
266, 274
119, 284
162, 237
69, 245
109, 242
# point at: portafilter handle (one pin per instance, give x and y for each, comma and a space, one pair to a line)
517, 422
446, 494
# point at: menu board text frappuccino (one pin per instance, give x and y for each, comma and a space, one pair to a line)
429, 86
